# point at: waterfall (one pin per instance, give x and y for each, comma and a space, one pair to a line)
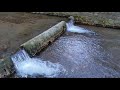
72, 28
26, 66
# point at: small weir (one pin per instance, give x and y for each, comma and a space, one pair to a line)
78, 53
34, 67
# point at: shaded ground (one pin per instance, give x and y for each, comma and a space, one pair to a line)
87, 55
18, 27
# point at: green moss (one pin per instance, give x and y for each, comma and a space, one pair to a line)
89, 18
6, 67
106, 22
81, 19
94, 21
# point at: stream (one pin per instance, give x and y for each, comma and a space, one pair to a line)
81, 52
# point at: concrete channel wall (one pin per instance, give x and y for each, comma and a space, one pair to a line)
36, 44
32, 47
103, 19
6, 67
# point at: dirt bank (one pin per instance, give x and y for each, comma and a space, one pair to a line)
18, 27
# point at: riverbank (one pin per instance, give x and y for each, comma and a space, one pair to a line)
103, 19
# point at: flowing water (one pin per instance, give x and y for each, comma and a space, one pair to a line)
81, 52
33, 67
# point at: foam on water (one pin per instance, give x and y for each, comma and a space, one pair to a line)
72, 28
26, 66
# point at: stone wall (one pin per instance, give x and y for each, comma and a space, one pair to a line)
104, 19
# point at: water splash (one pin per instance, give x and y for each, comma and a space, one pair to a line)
26, 66
72, 28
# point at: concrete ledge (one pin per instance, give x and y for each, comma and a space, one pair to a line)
36, 44
6, 67
103, 19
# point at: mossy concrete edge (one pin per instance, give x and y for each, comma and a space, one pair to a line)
95, 19
6, 67
37, 43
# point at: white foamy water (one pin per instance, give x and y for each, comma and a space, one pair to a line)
26, 66
72, 28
